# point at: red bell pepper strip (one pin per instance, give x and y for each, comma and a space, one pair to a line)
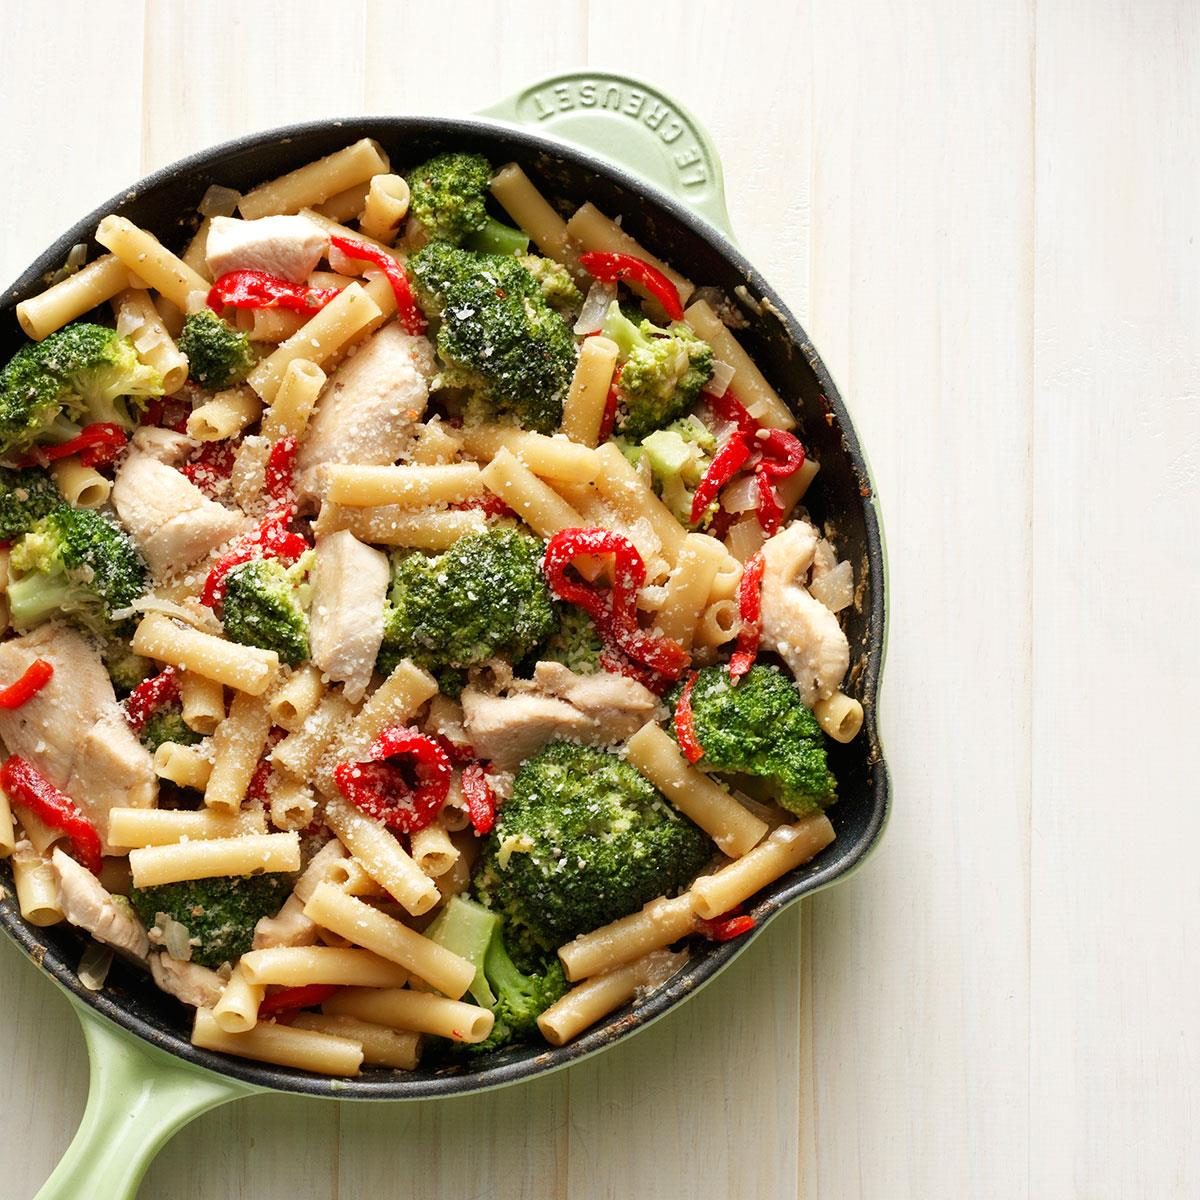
96, 445
458, 753
729, 408
212, 463
481, 800
27, 786
750, 612
258, 789
376, 785
487, 503
609, 418
781, 454
410, 313
168, 413
36, 676
257, 289
609, 268
727, 926
685, 729
290, 999
281, 467
149, 696
272, 539
726, 463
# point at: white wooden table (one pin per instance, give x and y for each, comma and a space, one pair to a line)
986, 212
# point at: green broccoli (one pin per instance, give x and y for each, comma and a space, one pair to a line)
679, 456
125, 669
263, 607
77, 376
77, 562
761, 727
449, 202
220, 914
25, 498
485, 596
516, 998
166, 725
501, 345
583, 840
555, 281
663, 371
218, 355
576, 643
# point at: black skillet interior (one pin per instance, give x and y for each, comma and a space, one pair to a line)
841, 499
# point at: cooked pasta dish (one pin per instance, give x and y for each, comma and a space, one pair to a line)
414, 639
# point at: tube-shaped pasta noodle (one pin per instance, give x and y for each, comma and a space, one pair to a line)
694, 793
841, 716
38, 833
302, 749
136, 827
390, 525
407, 487
533, 213
351, 876
556, 458
382, 856
237, 1009
346, 205
296, 698
322, 868
620, 484
394, 701
246, 854
8, 833
288, 927
244, 667
270, 325
224, 416
382, 1047
652, 927
785, 849
203, 702
718, 624
535, 502
728, 577
170, 314
420, 1012
150, 260
583, 409
583, 1006
316, 182
186, 766
36, 886
365, 926
323, 335
433, 851
687, 590
294, 966
435, 443
237, 746
90, 286
386, 206
139, 320
748, 382
292, 803
594, 231
792, 489
294, 400
304, 1049
84, 487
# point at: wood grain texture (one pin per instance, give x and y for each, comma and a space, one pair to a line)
986, 215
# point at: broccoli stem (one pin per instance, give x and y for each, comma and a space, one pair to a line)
468, 929
498, 238
36, 598
620, 329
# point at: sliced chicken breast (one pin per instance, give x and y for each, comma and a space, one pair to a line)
88, 905
186, 981
289, 247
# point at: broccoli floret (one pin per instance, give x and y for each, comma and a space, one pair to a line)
679, 455
218, 355
77, 376
262, 607
501, 345
583, 840
166, 725
761, 727
576, 643
449, 196
78, 562
483, 597
220, 914
516, 998
451, 681
555, 281
125, 669
663, 371
25, 498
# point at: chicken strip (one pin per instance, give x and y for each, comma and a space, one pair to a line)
288, 247
188, 982
88, 905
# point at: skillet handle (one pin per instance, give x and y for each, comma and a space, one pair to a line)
631, 123
138, 1097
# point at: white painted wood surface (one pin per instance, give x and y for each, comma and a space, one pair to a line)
986, 213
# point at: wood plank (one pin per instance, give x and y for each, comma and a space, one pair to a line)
921, 303
1115, 1089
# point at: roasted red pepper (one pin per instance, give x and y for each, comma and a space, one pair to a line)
272, 539
609, 418
290, 999
27, 786
258, 790
36, 676
410, 313
750, 612
487, 503
781, 454
376, 784
729, 408
727, 926
726, 463
167, 413
96, 445
212, 463
685, 729
609, 268
481, 800
149, 696
281, 467
257, 289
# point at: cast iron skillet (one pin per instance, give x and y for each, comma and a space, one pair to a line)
635, 124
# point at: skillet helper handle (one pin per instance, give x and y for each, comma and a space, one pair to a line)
138, 1097
632, 123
